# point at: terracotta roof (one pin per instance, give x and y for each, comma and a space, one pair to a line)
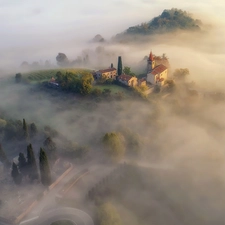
142, 79
158, 69
151, 56
125, 77
107, 70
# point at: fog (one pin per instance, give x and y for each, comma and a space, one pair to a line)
181, 136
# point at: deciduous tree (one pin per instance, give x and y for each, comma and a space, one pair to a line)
114, 145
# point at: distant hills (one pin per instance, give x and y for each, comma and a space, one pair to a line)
169, 21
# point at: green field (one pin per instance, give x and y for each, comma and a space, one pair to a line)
114, 88
45, 75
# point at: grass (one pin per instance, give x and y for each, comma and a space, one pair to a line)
114, 88
45, 75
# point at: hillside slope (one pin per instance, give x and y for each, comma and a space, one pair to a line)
169, 21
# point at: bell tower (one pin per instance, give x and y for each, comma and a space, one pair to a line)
151, 62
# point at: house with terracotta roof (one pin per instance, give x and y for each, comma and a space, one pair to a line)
128, 80
109, 73
156, 75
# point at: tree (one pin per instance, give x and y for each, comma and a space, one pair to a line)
50, 146
17, 177
33, 130
108, 215
22, 162
120, 66
114, 145
86, 84
181, 74
44, 168
25, 131
31, 163
127, 71
62, 59
18, 77
3, 157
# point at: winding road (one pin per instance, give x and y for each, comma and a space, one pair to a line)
76, 216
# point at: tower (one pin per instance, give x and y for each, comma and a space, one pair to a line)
151, 62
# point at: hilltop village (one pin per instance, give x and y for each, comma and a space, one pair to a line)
156, 74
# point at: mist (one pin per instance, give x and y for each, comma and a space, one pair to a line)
181, 136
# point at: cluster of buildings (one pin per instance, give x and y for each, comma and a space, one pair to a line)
156, 74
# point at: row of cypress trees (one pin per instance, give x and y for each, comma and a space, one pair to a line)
29, 167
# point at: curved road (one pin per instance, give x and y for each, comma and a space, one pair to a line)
78, 217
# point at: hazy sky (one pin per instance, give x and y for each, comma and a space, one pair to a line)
34, 26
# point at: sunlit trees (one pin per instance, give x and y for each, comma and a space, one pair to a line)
44, 168
17, 177
128, 71
108, 215
114, 145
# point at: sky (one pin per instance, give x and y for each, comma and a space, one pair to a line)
39, 28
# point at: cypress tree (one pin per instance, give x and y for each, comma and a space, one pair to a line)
17, 177
120, 66
25, 131
50, 146
33, 130
22, 162
44, 168
31, 163
3, 157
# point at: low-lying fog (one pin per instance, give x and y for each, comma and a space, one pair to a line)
187, 134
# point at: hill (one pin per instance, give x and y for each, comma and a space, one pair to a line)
169, 21
44, 75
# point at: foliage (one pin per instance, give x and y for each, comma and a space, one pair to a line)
181, 74
133, 141
63, 222
44, 168
120, 66
169, 20
127, 70
114, 145
33, 130
62, 59
31, 163
17, 177
22, 162
13, 130
108, 215
18, 77
25, 130
46, 75
50, 147
3, 157
75, 82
